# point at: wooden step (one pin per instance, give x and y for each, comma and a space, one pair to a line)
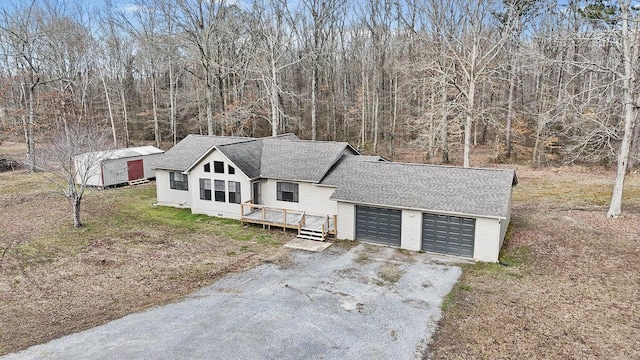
316, 238
138, 182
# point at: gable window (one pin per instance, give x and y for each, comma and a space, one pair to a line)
178, 181
231, 170
219, 190
205, 189
234, 192
218, 167
207, 167
287, 191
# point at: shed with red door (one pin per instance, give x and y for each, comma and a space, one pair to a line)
120, 166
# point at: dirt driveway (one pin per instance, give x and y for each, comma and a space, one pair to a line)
366, 302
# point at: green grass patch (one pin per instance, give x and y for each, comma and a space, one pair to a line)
128, 215
449, 300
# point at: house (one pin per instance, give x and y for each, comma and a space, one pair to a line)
326, 188
114, 167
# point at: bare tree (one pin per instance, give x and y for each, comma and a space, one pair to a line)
22, 33
70, 157
630, 51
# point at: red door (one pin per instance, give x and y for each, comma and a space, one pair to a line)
136, 169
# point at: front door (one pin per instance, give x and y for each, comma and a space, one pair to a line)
256, 192
136, 169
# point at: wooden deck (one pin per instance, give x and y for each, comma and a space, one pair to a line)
288, 219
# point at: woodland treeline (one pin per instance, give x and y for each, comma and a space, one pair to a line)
540, 80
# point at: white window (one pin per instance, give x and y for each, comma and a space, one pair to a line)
287, 191
219, 190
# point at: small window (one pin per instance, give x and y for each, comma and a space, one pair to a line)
207, 167
205, 189
231, 170
218, 167
178, 181
234, 192
287, 191
219, 190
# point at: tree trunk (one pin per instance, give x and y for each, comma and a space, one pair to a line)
172, 104
432, 125
76, 211
512, 87
125, 117
208, 101
314, 95
154, 101
444, 133
469, 122
113, 124
630, 56
30, 125
274, 99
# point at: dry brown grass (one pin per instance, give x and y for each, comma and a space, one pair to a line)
574, 283
55, 280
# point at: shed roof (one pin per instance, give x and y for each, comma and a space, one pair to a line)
471, 191
124, 152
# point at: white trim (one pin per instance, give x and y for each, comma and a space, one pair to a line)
422, 210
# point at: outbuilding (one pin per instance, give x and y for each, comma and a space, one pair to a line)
115, 167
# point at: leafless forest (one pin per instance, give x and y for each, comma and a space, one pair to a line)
537, 80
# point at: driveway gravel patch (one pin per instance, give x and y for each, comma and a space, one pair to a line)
367, 302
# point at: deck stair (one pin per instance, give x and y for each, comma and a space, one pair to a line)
311, 234
138, 182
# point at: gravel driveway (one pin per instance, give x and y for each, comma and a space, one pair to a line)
367, 302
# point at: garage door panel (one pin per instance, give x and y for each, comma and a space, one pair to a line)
378, 225
450, 235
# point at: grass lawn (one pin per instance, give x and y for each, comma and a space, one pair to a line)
130, 255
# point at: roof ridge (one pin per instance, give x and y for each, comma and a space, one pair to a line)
434, 165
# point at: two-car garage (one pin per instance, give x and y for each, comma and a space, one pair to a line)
444, 234
449, 210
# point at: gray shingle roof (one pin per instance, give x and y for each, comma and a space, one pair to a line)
246, 155
470, 191
279, 157
186, 152
300, 160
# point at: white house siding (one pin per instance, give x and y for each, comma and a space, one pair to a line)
212, 207
487, 240
170, 197
504, 224
411, 233
346, 221
312, 198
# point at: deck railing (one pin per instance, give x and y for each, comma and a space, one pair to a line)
280, 217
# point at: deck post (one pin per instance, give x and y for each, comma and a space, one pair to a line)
263, 214
335, 224
322, 232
